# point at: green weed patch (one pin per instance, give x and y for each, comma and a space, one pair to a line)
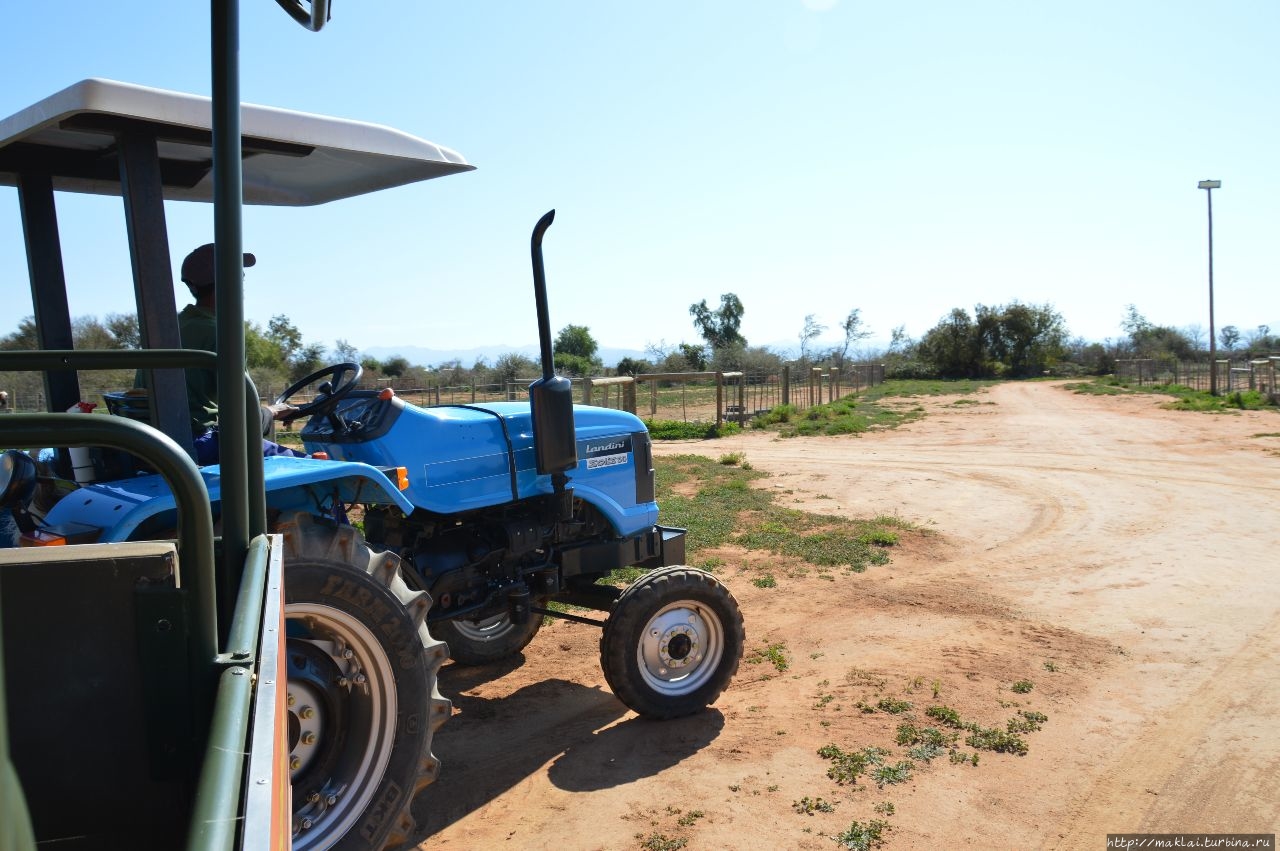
717, 504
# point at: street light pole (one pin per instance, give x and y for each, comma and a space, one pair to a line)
1208, 186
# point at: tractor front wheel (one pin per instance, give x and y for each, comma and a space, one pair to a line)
672, 642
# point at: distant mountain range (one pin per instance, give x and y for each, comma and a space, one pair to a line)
422, 356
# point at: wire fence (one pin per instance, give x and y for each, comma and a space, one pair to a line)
698, 397
1258, 374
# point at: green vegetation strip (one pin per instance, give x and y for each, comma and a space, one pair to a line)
863, 411
717, 504
1183, 398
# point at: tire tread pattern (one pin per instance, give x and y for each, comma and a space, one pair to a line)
306, 539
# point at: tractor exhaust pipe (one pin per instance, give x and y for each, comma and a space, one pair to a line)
551, 397
540, 294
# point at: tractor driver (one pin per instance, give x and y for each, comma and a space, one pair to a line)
197, 328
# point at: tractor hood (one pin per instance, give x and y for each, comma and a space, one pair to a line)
463, 457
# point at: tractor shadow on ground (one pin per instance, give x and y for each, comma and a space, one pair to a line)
492, 744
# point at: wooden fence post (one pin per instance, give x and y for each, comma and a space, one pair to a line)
786, 385
719, 399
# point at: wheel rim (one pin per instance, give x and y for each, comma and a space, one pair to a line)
680, 648
484, 629
342, 714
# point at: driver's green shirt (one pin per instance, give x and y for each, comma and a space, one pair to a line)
197, 329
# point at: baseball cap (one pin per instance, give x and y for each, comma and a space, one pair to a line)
197, 269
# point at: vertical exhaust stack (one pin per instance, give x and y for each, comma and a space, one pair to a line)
551, 397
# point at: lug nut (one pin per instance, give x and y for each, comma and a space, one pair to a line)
294, 763
306, 712
308, 738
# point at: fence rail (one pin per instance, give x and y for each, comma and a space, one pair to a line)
705, 397
1258, 374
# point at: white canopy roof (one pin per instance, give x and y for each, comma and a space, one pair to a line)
290, 158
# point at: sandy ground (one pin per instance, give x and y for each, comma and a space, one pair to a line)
1120, 557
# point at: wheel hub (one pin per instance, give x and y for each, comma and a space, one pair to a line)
339, 725
679, 647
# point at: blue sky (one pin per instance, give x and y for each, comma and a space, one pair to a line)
811, 157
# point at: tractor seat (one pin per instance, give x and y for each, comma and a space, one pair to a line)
134, 404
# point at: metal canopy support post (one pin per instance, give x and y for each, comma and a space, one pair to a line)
48, 284
153, 281
228, 193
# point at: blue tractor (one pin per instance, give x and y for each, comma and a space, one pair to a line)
408, 525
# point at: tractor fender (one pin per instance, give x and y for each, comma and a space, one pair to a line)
296, 483
119, 507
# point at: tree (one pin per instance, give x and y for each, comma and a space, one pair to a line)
284, 335
719, 327
308, 360
575, 351
1016, 339
23, 339
124, 330
1229, 337
899, 339
513, 365
1196, 334
853, 332
811, 331
395, 366
344, 352
1147, 340
694, 356
575, 340
1261, 342
952, 346
261, 352
633, 366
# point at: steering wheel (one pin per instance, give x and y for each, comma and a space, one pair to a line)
328, 395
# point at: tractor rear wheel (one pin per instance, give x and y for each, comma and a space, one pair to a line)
672, 642
486, 640
363, 702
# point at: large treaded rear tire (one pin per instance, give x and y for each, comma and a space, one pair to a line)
672, 642
363, 701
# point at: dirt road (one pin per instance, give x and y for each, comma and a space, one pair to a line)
1120, 558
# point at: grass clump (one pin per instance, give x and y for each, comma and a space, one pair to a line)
991, 739
886, 775
680, 430
807, 806
1026, 722
1022, 687
774, 654
862, 837
893, 706
766, 581
846, 766
659, 842
945, 715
